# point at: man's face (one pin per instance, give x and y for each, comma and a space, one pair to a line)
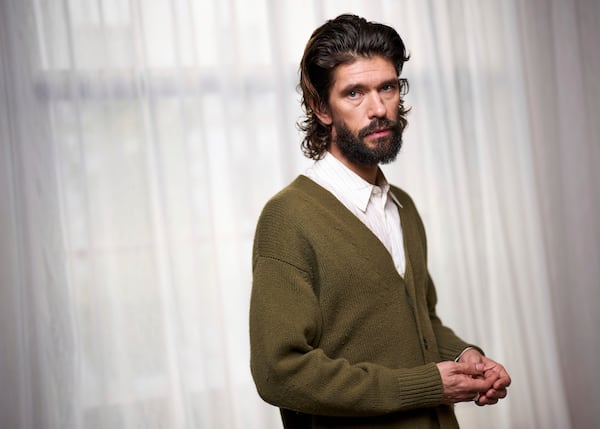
363, 110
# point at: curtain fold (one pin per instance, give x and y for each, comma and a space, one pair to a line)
561, 65
40, 343
139, 141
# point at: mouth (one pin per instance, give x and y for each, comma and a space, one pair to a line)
382, 132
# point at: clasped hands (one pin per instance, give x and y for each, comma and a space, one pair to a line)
474, 378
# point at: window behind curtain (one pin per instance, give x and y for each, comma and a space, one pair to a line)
156, 108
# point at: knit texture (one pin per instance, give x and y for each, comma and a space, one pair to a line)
338, 338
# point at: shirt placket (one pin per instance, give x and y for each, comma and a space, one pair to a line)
378, 201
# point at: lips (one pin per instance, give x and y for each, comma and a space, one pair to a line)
379, 133
377, 128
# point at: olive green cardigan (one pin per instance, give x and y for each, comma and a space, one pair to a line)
338, 338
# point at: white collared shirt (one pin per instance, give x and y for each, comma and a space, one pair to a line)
375, 205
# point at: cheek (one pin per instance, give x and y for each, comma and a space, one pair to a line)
392, 109
356, 119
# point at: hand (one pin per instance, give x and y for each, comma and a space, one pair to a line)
464, 381
494, 372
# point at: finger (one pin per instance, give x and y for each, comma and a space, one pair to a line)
480, 384
490, 367
465, 387
473, 369
471, 397
496, 393
493, 396
484, 400
489, 398
502, 382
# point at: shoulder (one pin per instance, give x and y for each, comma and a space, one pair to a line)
297, 200
293, 209
290, 218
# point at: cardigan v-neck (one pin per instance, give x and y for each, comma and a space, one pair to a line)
375, 205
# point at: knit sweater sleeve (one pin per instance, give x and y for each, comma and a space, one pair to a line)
289, 369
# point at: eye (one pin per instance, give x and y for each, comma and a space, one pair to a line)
353, 94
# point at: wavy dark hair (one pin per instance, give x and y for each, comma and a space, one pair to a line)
341, 41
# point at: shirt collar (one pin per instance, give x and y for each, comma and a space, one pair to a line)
335, 174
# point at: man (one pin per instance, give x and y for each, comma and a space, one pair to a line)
343, 327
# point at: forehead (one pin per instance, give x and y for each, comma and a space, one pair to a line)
363, 71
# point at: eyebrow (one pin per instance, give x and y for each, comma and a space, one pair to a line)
390, 82
359, 86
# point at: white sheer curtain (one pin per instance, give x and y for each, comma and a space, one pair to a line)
139, 140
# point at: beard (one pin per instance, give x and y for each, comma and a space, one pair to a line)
383, 151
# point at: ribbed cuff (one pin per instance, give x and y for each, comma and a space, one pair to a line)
421, 387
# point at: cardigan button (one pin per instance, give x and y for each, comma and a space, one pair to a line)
425, 343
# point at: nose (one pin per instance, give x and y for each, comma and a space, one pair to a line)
376, 108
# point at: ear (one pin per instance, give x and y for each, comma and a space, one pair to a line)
323, 114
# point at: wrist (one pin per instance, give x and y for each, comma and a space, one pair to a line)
469, 351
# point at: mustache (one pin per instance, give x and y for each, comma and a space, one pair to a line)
377, 124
